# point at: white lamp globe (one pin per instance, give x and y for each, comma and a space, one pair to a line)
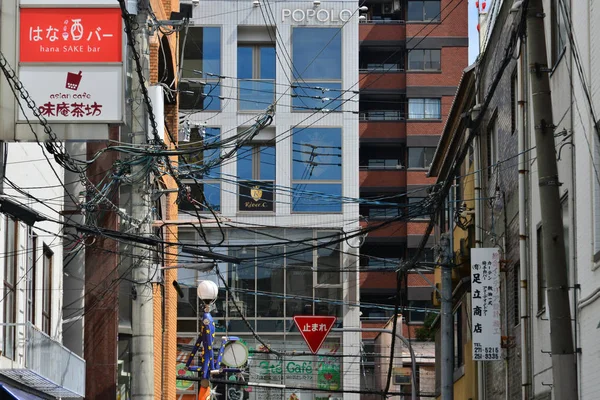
208, 291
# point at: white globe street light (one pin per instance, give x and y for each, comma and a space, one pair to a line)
208, 291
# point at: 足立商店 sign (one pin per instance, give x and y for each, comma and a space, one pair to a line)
71, 63
485, 304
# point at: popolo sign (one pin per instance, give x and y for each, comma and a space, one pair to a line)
71, 63
315, 15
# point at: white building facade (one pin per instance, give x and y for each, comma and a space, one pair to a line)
286, 201
33, 359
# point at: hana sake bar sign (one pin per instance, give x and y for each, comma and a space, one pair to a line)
70, 35
71, 63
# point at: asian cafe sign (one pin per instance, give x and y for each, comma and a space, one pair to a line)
71, 62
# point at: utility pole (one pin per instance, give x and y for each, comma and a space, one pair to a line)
142, 317
564, 371
447, 320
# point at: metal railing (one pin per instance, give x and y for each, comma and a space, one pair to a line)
49, 366
380, 20
381, 115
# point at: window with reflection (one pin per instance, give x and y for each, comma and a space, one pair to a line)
423, 10
317, 169
199, 88
201, 169
424, 60
424, 108
317, 68
256, 76
420, 157
273, 282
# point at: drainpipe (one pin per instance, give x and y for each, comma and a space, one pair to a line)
523, 237
477, 192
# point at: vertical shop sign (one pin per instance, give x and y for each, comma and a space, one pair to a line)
485, 304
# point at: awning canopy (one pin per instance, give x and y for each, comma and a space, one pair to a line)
8, 392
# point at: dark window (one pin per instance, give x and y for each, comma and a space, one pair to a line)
423, 10
420, 157
10, 281
424, 109
204, 167
516, 293
492, 149
424, 60
541, 275
256, 74
317, 169
31, 275
199, 88
418, 310
47, 291
317, 68
514, 107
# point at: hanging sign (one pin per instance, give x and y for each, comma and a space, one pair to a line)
485, 304
70, 35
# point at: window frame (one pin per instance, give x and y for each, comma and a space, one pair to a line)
424, 150
10, 289
558, 32
211, 181
256, 75
31, 275
310, 182
306, 84
423, 102
212, 79
437, 18
423, 53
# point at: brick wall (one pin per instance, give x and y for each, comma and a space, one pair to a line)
165, 297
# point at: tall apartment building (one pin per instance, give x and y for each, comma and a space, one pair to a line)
412, 53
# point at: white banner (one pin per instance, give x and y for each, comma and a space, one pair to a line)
74, 93
485, 304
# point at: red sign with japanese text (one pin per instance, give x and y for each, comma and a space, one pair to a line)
71, 35
314, 329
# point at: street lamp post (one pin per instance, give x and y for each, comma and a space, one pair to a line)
208, 292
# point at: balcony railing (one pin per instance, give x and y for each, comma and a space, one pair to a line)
382, 20
381, 115
49, 366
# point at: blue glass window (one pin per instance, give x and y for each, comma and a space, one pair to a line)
317, 53
310, 98
202, 51
317, 154
317, 63
317, 169
199, 88
256, 163
204, 194
317, 197
256, 77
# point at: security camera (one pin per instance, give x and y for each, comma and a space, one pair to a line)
195, 2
